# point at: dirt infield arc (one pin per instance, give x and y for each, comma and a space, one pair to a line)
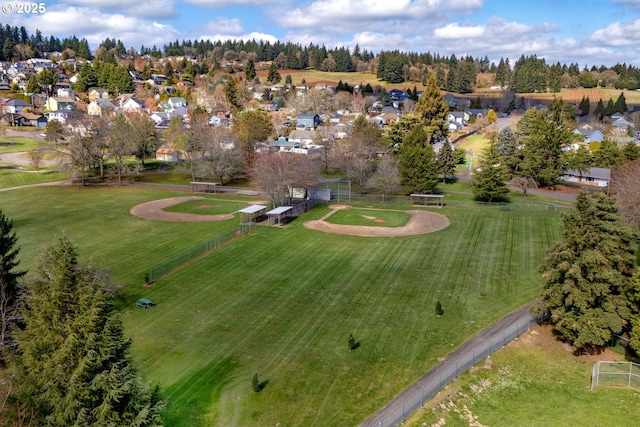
421, 222
154, 211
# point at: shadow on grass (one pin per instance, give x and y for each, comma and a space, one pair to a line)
192, 397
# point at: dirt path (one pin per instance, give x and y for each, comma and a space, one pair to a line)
421, 222
154, 211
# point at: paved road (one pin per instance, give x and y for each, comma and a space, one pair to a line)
495, 329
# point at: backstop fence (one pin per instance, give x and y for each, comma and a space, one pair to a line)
201, 249
615, 374
447, 372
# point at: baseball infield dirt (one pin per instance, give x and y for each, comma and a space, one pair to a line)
154, 211
421, 222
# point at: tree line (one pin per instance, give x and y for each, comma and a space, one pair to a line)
460, 75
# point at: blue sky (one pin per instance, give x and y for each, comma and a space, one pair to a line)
586, 32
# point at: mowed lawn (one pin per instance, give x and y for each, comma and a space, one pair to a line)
369, 217
282, 302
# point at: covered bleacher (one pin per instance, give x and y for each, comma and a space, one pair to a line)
427, 199
279, 214
204, 187
251, 213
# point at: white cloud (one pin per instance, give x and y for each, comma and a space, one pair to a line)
618, 34
346, 16
225, 28
457, 31
219, 4
135, 8
64, 21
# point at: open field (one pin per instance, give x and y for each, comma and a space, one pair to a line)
533, 381
13, 144
282, 302
313, 77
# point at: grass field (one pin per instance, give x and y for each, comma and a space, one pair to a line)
14, 144
281, 302
534, 381
368, 217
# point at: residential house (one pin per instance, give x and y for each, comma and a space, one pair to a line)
304, 137
98, 93
458, 118
177, 101
598, 177
437, 147
307, 121
158, 116
129, 104
451, 100
621, 123
55, 103
590, 134
15, 106
31, 119
60, 115
101, 107
66, 92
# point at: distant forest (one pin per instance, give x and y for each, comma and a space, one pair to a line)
528, 74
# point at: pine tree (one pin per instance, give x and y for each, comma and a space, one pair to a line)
418, 167
587, 273
9, 286
489, 181
432, 111
74, 367
250, 71
446, 162
274, 76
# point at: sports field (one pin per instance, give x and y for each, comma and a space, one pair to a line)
281, 302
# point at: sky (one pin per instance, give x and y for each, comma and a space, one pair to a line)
585, 32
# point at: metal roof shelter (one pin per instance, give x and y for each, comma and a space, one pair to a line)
204, 187
278, 214
251, 213
425, 198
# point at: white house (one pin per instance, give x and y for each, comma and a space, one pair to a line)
594, 176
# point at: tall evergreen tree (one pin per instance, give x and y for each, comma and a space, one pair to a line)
250, 70
544, 135
74, 367
432, 111
489, 180
9, 286
418, 168
587, 273
446, 162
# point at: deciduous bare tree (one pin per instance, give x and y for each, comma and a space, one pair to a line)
625, 186
36, 158
278, 173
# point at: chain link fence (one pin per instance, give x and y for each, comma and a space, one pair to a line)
400, 409
615, 374
201, 249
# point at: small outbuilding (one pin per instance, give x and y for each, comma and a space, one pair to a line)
204, 187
